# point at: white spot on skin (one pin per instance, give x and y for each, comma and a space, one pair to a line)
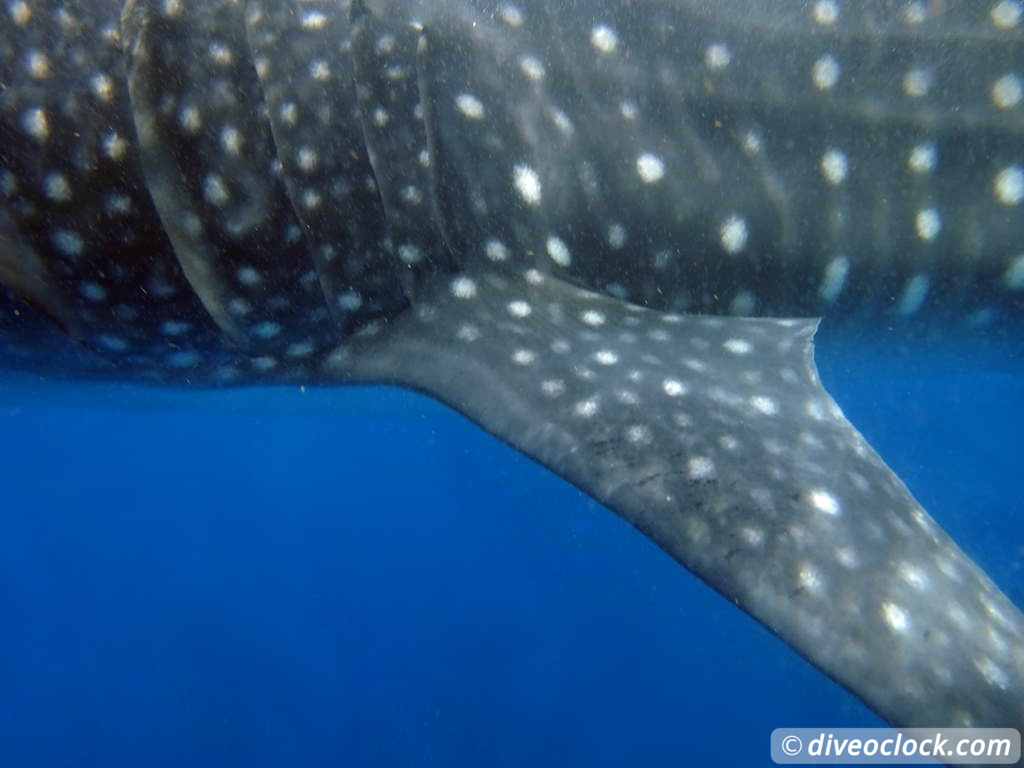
562, 121
306, 159
115, 147
593, 318
729, 443
700, 468
264, 363
682, 420
895, 616
559, 251
825, 73
627, 397
319, 70
717, 56
311, 199
468, 333
604, 39
266, 330
914, 294
113, 343
301, 349
221, 54
1007, 91
835, 278
527, 184
470, 106
616, 236
1009, 185
674, 388
174, 327
606, 357
994, 674
38, 65
826, 13
752, 536
552, 387
913, 575
847, 557
36, 124
349, 301
586, 408
102, 86
738, 346
190, 119
834, 166
118, 204
824, 502
314, 20
463, 288
915, 13
410, 254
183, 358
1013, 278
56, 187
67, 242
928, 224
519, 309
20, 12
1005, 14
496, 251
94, 291
532, 67
248, 276
752, 143
764, 405
289, 113
922, 158
809, 579
240, 307
638, 433
524, 357
512, 16
215, 191
917, 83
733, 234
231, 140
650, 168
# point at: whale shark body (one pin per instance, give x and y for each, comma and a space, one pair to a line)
596, 231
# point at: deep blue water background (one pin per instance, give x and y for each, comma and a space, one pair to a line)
362, 578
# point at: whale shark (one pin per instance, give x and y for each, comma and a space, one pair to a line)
603, 233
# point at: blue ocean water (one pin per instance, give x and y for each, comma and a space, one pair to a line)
360, 577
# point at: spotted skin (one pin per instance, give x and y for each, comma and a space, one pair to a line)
754, 170
546, 218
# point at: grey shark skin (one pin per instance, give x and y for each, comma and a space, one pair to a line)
549, 217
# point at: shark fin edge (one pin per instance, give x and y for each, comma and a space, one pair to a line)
714, 437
